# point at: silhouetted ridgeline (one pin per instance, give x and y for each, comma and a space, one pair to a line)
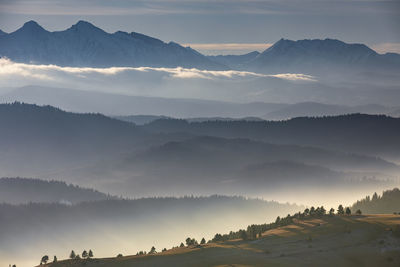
388, 202
39, 140
25, 190
83, 44
171, 156
372, 134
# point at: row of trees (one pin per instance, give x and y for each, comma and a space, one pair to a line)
72, 255
85, 255
255, 231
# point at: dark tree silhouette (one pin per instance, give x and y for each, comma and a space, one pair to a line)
84, 254
203, 241
332, 212
340, 210
358, 212
306, 211
90, 254
152, 250
44, 259
72, 255
182, 245
55, 259
348, 211
243, 234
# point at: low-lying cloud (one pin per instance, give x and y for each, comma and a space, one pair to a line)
9, 68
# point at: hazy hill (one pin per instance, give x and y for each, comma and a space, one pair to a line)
388, 202
25, 190
319, 56
209, 165
145, 119
118, 104
110, 227
313, 109
40, 141
358, 133
83, 44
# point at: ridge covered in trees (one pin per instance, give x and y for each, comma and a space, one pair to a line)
388, 202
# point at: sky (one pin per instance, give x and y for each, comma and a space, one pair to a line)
221, 26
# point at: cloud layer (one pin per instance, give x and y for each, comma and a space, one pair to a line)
178, 82
10, 69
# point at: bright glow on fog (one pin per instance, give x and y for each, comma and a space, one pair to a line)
49, 72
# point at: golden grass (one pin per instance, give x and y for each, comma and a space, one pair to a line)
329, 241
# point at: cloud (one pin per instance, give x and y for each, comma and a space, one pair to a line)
157, 7
9, 68
230, 85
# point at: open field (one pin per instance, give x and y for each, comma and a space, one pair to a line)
365, 240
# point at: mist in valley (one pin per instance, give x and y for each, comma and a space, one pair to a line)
117, 142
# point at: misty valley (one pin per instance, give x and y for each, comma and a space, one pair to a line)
119, 149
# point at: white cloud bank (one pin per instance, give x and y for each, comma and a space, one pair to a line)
9, 68
230, 85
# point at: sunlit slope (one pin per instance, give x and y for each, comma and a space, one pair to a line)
371, 240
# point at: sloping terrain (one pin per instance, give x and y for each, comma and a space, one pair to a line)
122, 226
371, 240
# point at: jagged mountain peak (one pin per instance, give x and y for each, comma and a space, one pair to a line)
31, 27
84, 44
85, 27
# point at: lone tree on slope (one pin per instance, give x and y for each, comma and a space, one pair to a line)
72, 255
332, 212
44, 259
348, 211
340, 210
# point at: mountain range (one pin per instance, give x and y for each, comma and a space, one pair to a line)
84, 44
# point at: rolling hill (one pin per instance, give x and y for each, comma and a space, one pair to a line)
357, 133
372, 240
388, 202
25, 190
125, 225
170, 156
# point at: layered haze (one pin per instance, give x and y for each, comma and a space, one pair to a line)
119, 141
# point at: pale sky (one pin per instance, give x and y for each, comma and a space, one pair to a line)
221, 26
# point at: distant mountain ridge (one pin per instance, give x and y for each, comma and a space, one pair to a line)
321, 55
83, 44
26, 190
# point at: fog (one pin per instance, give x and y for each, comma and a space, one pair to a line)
144, 171
122, 226
355, 88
